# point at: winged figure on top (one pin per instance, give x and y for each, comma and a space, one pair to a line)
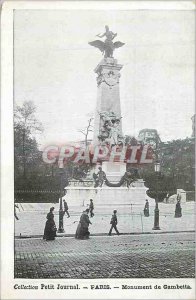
107, 47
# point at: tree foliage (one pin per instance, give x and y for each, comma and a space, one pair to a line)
30, 174
177, 169
26, 126
36, 181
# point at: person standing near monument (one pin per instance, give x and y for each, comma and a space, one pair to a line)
91, 208
178, 210
66, 208
50, 227
146, 209
114, 222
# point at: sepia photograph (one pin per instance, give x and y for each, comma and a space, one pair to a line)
101, 163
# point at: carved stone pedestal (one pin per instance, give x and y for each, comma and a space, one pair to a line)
108, 94
114, 170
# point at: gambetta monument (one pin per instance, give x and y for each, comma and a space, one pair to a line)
109, 181
107, 126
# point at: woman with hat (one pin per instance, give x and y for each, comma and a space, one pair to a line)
82, 231
50, 227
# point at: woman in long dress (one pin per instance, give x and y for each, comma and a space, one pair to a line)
82, 231
50, 227
146, 209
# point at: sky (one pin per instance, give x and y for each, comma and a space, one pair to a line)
54, 68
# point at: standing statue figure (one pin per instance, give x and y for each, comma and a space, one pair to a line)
107, 47
114, 133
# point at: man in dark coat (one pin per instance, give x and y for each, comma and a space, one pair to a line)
91, 208
114, 222
66, 208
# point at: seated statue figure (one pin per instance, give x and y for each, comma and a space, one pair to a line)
99, 178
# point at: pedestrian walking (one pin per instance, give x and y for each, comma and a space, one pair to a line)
15, 215
91, 208
82, 231
66, 208
113, 223
50, 227
146, 209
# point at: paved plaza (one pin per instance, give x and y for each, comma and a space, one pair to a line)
32, 218
127, 256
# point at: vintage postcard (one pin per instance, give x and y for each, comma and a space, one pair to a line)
98, 143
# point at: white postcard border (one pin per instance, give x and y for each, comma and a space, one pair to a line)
7, 187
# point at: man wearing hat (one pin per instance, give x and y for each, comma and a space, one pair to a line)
114, 222
66, 208
91, 208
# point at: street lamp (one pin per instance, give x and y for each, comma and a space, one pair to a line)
157, 168
61, 212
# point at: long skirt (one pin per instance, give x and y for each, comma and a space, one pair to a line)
178, 212
82, 232
146, 212
50, 230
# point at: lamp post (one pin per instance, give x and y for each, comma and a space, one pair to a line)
61, 213
157, 168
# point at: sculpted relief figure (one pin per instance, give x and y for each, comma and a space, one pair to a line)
110, 129
114, 133
107, 47
111, 78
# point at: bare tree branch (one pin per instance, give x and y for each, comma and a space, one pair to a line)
86, 131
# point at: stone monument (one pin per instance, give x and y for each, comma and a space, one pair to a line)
108, 126
108, 120
112, 184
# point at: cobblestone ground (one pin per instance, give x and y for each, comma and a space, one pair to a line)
128, 256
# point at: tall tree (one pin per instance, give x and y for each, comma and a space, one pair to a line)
26, 126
